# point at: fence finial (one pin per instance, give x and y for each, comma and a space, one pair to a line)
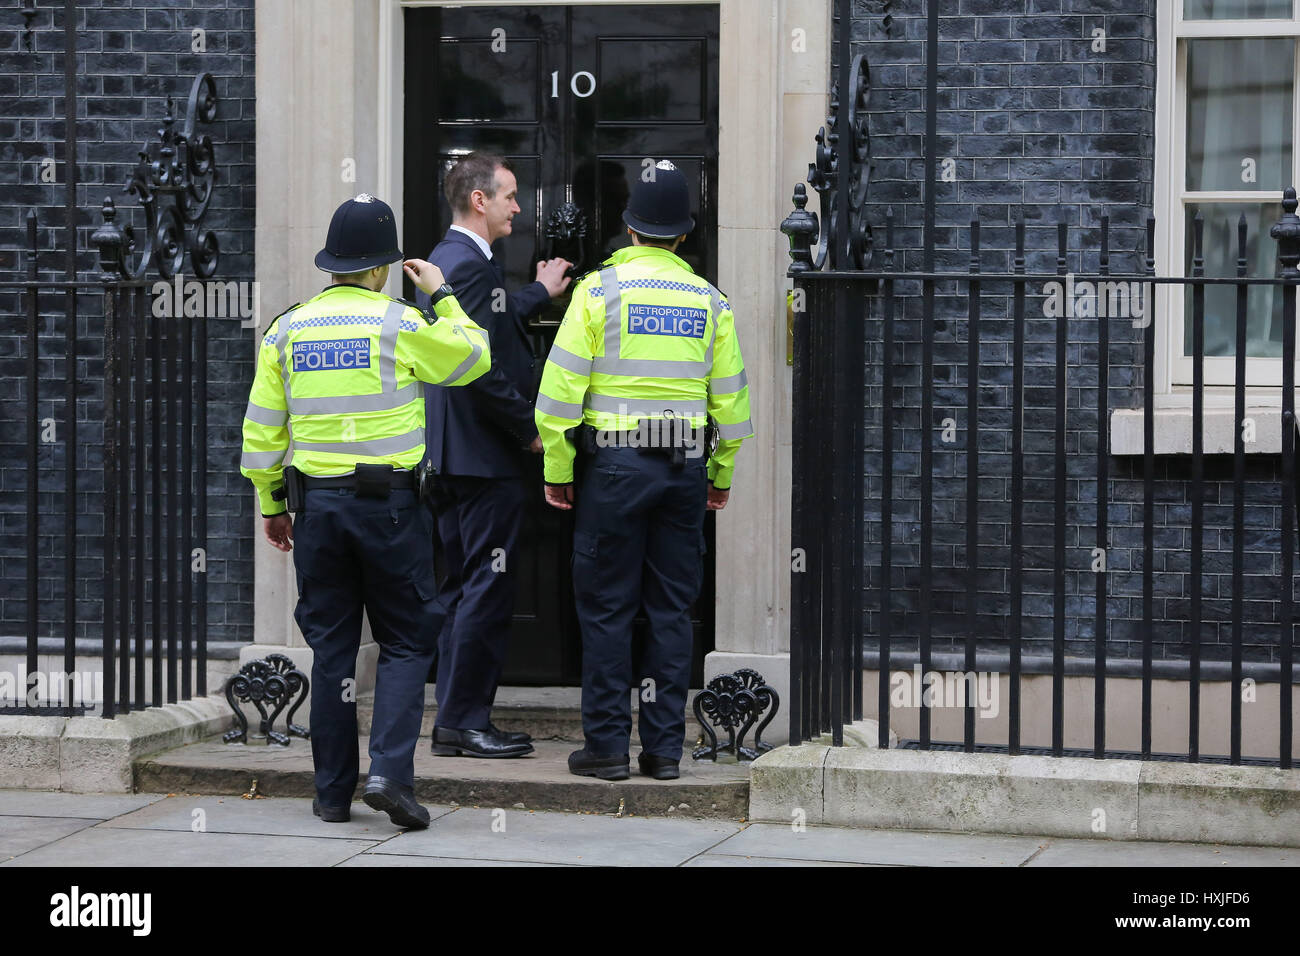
1287, 233
801, 226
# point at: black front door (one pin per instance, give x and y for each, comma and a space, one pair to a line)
581, 100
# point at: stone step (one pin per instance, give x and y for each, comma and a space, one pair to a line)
547, 713
540, 781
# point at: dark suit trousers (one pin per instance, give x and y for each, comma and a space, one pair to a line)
479, 520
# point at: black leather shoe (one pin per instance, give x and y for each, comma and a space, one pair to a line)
513, 736
584, 763
475, 743
330, 814
661, 768
397, 801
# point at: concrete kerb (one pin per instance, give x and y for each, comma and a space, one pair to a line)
93, 755
1051, 796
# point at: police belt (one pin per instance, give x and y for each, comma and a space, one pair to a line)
396, 481
667, 437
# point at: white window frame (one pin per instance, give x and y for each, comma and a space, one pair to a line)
1173, 376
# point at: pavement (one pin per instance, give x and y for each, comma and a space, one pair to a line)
40, 828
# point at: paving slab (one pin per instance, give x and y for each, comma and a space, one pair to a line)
369, 859
540, 781
108, 846
19, 835
577, 838
896, 847
719, 859
1142, 853
53, 803
285, 817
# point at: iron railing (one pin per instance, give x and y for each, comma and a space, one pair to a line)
839, 585
151, 483
151, 471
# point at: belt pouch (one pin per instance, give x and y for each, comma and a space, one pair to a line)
374, 481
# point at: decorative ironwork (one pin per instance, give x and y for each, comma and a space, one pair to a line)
185, 170
733, 703
835, 142
1287, 233
566, 236
269, 683
769, 702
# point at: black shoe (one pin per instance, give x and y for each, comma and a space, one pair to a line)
330, 814
397, 801
513, 736
475, 743
661, 768
584, 763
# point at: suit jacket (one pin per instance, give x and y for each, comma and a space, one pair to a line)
480, 429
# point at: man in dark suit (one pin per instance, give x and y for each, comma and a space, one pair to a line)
476, 440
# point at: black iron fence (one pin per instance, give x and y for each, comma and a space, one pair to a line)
130, 497
865, 452
143, 464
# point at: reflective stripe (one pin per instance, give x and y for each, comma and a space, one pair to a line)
388, 345
715, 310
559, 409
475, 351
613, 313
374, 447
732, 383
275, 417
281, 341
347, 404
650, 368
569, 361
253, 460
644, 407
739, 430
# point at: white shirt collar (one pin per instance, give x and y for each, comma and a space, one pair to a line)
478, 240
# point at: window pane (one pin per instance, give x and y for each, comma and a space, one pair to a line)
1237, 10
1239, 113
1263, 303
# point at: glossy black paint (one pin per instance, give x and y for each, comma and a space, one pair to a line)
578, 99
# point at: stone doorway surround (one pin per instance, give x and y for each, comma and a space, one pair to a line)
330, 93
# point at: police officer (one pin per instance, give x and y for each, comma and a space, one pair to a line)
646, 354
333, 431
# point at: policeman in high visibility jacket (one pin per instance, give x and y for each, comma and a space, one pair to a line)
333, 431
646, 353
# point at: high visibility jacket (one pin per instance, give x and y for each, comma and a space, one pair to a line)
644, 338
338, 383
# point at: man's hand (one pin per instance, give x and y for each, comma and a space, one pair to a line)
279, 531
560, 496
535, 446
551, 274
717, 498
426, 276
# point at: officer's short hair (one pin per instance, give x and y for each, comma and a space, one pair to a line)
353, 277
476, 170
659, 241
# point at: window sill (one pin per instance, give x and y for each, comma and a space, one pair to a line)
1173, 431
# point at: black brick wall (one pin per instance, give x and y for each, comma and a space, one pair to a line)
131, 56
1037, 123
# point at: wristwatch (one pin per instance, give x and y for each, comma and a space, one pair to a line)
441, 293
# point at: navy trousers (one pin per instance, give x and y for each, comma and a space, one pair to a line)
478, 527
638, 541
352, 553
